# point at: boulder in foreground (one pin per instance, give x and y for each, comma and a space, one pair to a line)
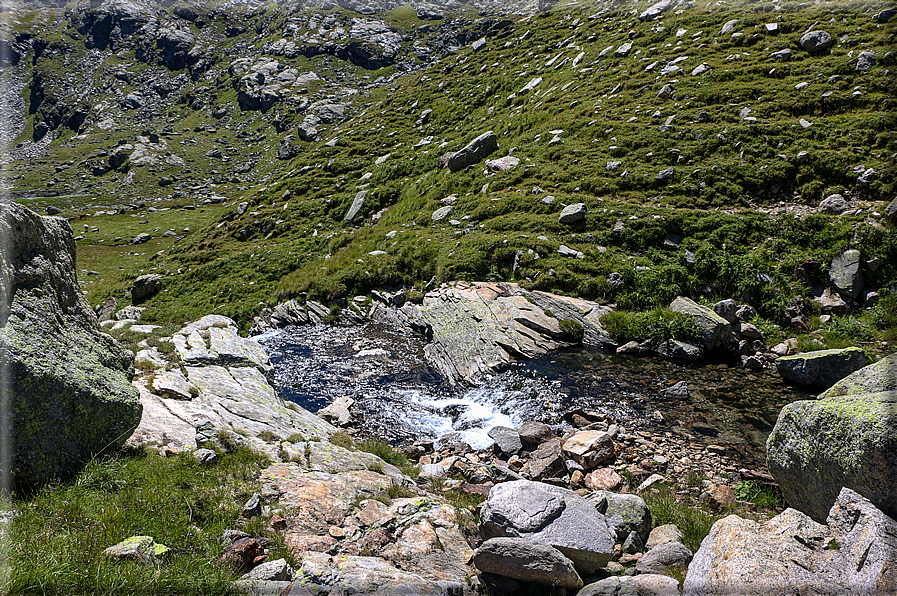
792, 554
71, 391
850, 439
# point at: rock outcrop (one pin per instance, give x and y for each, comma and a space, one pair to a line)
846, 439
479, 328
69, 381
791, 554
216, 378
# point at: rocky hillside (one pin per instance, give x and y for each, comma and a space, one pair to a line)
637, 153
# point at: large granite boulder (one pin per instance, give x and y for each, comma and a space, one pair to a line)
881, 376
716, 332
822, 368
69, 382
819, 446
478, 149
648, 584
624, 513
549, 515
792, 554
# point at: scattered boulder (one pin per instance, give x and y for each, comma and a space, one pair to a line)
573, 213
833, 204
478, 149
790, 554
547, 461
278, 570
71, 395
550, 515
338, 412
145, 286
662, 535
524, 560
877, 377
846, 275
624, 513
822, 368
138, 548
815, 41
357, 204
244, 554
664, 556
716, 331
846, 439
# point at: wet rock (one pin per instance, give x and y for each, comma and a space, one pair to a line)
640, 585
550, 515
664, 556
815, 41
572, 214
680, 389
69, 391
791, 553
524, 560
846, 275
822, 368
675, 349
716, 331
478, 149
506, 439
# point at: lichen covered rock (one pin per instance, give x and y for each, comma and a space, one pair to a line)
71, 391
822, 368
819, 446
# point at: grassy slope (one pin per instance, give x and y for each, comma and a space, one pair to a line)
292, 241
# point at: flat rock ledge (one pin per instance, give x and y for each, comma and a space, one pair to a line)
216, 378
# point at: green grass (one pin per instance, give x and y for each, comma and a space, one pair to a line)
763, 497
61, 530
658, 325
667, 508
389, 454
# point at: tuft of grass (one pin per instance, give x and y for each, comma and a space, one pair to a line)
295, 438
667, 508
390, 455
659, 324
765, 498
572, 330
342, 439
268, 437
61, 530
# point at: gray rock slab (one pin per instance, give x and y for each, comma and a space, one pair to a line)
846, 274
549, 515
173, 384
478, 149
528, 561
822, 368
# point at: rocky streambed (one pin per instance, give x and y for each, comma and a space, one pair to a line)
399, 397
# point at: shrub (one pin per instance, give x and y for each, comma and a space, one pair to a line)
572, 330
659, 324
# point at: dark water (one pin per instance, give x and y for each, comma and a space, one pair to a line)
401, 398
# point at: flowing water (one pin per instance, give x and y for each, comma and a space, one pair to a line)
400, 398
